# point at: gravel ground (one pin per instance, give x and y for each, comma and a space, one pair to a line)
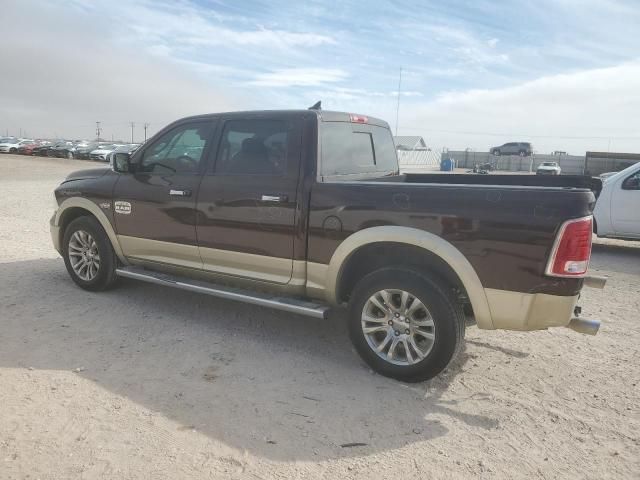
148, 382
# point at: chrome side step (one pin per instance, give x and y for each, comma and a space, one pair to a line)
294, 305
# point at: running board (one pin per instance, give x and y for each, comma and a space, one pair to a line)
287, 304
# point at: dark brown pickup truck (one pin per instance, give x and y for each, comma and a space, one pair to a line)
306, 210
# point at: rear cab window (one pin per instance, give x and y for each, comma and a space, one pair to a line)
352, 151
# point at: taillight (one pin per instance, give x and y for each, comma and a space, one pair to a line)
359, 118
572, 249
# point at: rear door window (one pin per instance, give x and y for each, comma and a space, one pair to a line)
253, 147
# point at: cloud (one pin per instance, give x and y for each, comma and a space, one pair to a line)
589, 110
299, 77
63, 78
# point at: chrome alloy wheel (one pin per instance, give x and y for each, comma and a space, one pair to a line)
83, 255
398, 327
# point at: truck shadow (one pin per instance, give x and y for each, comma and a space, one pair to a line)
278, 385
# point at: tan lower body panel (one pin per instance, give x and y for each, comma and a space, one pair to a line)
529, 311
161, 252
224, 262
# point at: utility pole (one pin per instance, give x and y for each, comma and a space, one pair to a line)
398, 106
146, 125
132, 125
98, 130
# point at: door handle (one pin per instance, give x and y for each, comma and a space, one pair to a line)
180, 193
274, 198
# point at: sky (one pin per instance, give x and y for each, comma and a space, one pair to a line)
562, 74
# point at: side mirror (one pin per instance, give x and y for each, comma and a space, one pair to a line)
122, 162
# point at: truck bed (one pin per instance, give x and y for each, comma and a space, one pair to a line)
562, 181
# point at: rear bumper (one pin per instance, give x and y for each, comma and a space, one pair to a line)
529, 311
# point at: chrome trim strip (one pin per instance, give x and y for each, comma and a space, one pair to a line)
278, 303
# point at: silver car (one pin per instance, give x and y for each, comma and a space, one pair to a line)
524, 149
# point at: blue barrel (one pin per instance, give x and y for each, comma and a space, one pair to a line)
447, 165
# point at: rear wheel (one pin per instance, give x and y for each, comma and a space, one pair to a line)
13, 150
404, 324
88, 254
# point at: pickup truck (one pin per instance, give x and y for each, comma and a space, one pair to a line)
306, 210
617, 212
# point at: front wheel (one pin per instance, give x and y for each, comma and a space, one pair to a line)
404, 324
88, 254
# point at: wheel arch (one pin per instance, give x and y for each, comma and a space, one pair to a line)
75, 207
432, 252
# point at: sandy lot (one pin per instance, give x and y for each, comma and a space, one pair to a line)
149, 382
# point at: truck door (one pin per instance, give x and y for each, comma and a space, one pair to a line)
247, 204
154, 208
625, 205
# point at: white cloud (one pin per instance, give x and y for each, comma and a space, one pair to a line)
64, 77
588, 110
299, 77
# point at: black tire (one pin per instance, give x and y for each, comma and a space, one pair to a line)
448, 318
13, 150
106, 274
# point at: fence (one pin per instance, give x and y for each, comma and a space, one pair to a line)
570, 164
418, 159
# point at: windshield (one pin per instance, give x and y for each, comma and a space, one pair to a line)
549, 164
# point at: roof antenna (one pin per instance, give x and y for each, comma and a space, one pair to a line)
316, 106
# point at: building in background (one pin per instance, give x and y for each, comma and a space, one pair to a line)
414, 154
602, 162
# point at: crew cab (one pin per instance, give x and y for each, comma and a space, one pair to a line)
305, 211
617, 212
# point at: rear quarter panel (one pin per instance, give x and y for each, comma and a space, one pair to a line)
506, 233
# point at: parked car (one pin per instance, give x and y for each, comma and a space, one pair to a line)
62, 149
83, 151
100, 153
27, 148
524, 149
132, 147
548, 168
42, 149
617, 212
12, 146
305, 211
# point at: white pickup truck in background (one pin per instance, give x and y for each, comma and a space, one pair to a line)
617, 212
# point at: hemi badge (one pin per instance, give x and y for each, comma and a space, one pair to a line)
122, 207
105, 205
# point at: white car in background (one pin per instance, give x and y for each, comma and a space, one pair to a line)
617, 212
548, 168
101, 153
13, 145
